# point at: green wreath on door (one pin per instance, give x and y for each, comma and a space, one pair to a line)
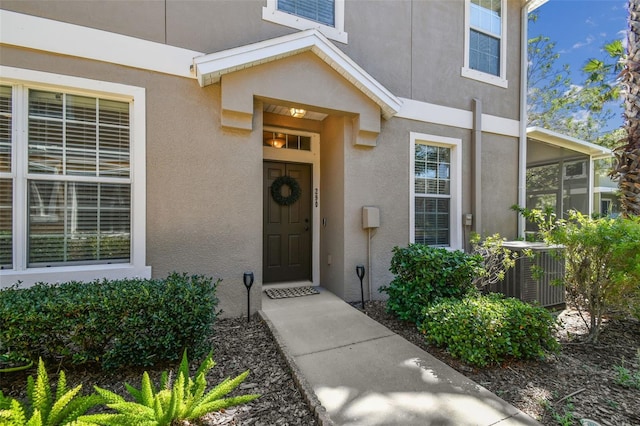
276, 190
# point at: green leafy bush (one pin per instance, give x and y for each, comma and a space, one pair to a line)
487, 329
44, 407
426, 274
183, 399
602, 258
131, 322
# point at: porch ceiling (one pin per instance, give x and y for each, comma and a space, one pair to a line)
210, 68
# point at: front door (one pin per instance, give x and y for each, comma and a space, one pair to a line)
286, 248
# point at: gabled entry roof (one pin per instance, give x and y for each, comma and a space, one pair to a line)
210, 68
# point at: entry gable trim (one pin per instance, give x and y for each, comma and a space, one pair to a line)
210, 68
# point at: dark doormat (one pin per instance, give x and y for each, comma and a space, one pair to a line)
282, 293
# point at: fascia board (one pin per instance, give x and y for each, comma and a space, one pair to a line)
211, 67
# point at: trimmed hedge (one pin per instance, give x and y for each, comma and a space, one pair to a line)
115, 323
426, 274
487, 329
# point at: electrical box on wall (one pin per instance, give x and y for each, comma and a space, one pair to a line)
370, 217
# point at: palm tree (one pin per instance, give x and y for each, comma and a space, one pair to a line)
627, 169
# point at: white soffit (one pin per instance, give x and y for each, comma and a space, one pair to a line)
568, 142
209, 68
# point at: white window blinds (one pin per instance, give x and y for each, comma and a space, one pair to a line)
79, 189
6, 178
322, 11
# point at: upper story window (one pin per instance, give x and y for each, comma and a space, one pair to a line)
327, 16
485, 41
322, 11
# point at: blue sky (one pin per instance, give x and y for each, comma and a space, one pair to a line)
580, 28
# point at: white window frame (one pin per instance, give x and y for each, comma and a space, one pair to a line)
499, 80
136, 266
455, 145
271, 13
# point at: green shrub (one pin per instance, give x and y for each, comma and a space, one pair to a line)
45, 407
602, 258
184, 399
130, 322
426, 274
487, 329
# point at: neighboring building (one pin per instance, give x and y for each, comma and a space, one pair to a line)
138, 138
569, 174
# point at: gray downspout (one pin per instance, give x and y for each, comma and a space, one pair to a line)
476, 185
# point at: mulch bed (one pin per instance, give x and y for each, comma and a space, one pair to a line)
238, 345
539, 388
543, 388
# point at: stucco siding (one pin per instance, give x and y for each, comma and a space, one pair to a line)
332, 195
204, 192
204, 215
144, 19
418, 51
499, 185
376, 177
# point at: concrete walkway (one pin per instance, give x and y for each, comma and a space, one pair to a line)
364, 374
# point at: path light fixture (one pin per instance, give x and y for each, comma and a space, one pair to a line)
248, 282
360, 273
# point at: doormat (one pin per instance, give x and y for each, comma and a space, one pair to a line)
282, 293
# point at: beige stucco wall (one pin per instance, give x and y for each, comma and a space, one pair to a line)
499, 185
204, 198
204, 192
334, 137
417, 53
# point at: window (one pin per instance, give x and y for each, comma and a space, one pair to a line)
6, 179
67, 180
327, 16
322, 11
435, 191
286, 141
79, 188
485, 41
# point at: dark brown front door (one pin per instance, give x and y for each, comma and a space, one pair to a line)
287, 229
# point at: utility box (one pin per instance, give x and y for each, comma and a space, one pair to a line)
370, 217
523, 283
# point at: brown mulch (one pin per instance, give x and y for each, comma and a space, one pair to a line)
577, 383
539, 388
238, 345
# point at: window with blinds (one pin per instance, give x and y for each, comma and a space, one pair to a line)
432, 195
322, 11
485, 36
79, 191
77, 183
6, 179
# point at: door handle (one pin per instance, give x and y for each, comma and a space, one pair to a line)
306, 224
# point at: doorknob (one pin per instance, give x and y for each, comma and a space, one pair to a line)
306, 224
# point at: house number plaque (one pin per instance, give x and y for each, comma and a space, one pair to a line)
315, 196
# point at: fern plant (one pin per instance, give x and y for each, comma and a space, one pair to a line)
184, 399
43, 407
